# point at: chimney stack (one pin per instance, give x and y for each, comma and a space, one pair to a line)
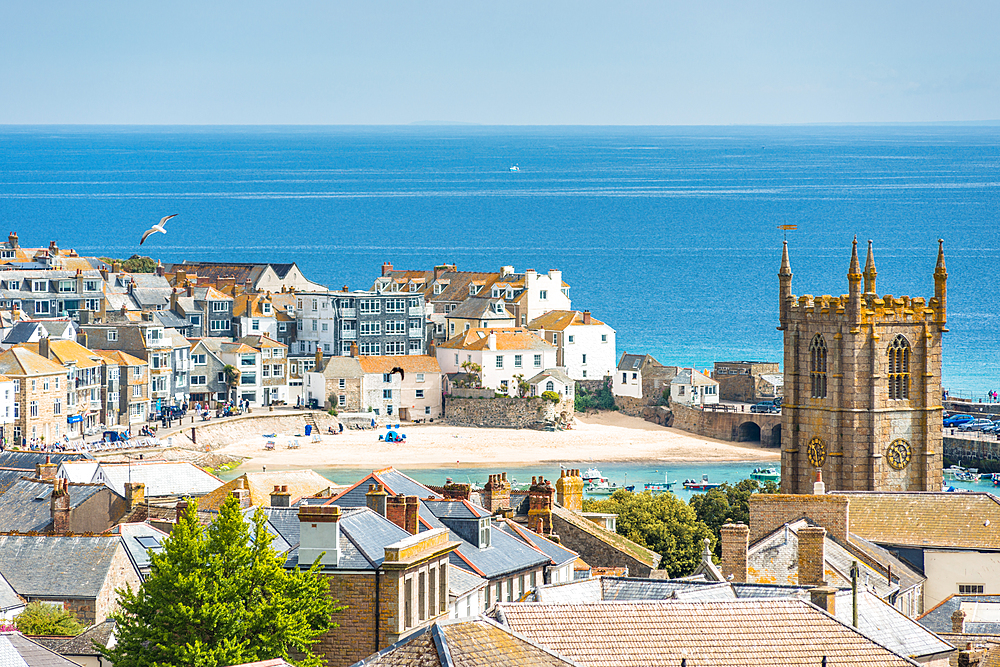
241, 493
410, 515
824, 597
395, 510
59, 506
496, 493
135, 493
182, 506
280, 497
386, 268
456, 491
12, 241
540, 506
735, 543
569, 490
958, 622
812, 556
586, 317
319, 535
43, 346
819, 488
375, 499
354, 349
46, 471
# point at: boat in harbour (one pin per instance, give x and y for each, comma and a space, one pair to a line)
766, 474
703, 485
660, 487
970, 475
514, 167
604, 488
592, 475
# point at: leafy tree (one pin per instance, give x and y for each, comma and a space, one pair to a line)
728, 502
550, 396
474, 371
602, 399
134, 264
221, 596
523, 388
44, 619
663, 523
232, 378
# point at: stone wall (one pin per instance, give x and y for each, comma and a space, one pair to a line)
771, 511
594, 551
468, 392
731, 426
228, 430
592, 386
973, 453
631, 406
505, 412
355, 638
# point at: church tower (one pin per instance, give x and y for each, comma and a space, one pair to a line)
862, 384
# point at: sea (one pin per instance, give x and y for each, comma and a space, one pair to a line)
669, 234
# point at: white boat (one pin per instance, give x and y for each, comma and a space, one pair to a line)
604, 488
593, 475
514, 167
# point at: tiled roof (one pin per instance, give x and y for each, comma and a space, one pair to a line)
25, 506
57, 566
20, 361
926, 518
462, 643
301, 483
725, 633
121, 358
65, 351
409, 363
506, 339
162, 478
558, 320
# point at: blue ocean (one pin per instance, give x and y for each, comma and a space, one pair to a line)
669, 234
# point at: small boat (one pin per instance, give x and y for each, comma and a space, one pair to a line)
514, 167
659, 487
604, 488
593, 475
953, 470
766, 475
703, 485
968, 476
996, 478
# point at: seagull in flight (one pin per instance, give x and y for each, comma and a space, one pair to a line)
156, 228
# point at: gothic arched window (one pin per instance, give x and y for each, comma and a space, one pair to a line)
899, 368
817, 366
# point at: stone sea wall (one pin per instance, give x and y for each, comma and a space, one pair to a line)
504, 412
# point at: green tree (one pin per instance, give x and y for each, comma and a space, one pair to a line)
663, 523
728, 502
232, 375
221, 596
134, 264
523, 388
474, 372
44, 619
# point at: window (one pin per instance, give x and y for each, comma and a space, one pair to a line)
408, 602
137, 371
484, 533
427, 409
970, 589
266, 371
282, 326
199, 359
313, 324
368, 306
369, 348
277, 353
136, 390
899, 368
57, 407
555, 338
387, 377
420, 393
219, 306
395, 347
569, 339
33, 409
12, 284
221, 377
371, 328
584, 358
219, 325
817, 366
395, 305
89, 285
41, 307
248, 378
248, 359
266, 308
277, 370
387, 394
39, 285
195, 379
326, 326
17, 409
499, 361
315, 305
473, 289
538, 361
517, 361
550, 386
543, 295
604, 338
438, 288
342, 400
395, 327
342, 383
67, 285
255, 325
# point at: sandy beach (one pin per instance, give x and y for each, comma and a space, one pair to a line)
602, 437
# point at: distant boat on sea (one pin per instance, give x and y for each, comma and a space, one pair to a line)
514, 167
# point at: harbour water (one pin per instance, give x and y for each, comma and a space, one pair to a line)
666, 233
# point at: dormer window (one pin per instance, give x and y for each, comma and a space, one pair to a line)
266, 308
438, 288
39, 285
473, 289
484, 532
13, 284
496, 292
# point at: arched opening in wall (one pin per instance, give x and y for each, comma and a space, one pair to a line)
748, 432
776, 436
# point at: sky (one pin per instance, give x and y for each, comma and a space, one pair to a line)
512, 62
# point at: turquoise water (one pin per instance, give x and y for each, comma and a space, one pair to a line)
620, 473
666, 233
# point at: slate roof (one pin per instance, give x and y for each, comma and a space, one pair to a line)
364, 535
83, 643
16, 650
479, 308
57, 566
553, 373
692, 377
285, 520
982, 614
138, 539
559, 555
885, 624
342, 367
725, 633
454, 509
925, 519
461, 581
505, 555
29, 460
395, 483
162, 478
9, 598
25, 506
634, 362
465, 643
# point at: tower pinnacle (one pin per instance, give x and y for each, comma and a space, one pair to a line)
870, 271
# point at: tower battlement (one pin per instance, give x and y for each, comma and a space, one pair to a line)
862, 383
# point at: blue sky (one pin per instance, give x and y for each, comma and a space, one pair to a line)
508, 62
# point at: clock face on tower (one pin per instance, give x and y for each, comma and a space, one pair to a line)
817, 452
898, 454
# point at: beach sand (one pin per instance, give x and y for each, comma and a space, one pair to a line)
602, 437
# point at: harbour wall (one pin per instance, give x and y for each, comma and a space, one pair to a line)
731, 426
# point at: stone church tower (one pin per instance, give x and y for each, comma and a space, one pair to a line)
862, 384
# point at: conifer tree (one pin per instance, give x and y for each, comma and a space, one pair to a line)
221, 596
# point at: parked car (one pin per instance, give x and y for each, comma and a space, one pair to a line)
958, 419
765, 406
977, 424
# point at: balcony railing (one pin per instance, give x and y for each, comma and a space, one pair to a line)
416, 333
416, 311
348, 334
348, 312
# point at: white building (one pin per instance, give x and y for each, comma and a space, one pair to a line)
553, 380
466, 593
585, 347
542, 293
7, 394
502, 354
690, 387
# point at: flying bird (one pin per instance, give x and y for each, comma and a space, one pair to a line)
156, 228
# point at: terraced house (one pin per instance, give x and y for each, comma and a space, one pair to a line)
46, 293
39, 396
84, 370
126, 388
380, 324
